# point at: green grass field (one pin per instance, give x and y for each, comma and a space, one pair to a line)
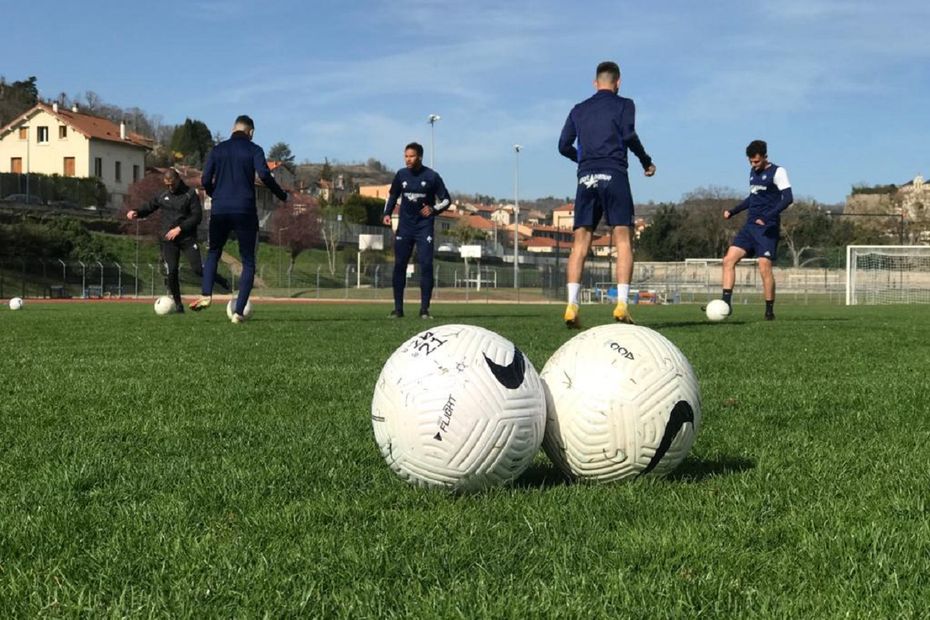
183, 466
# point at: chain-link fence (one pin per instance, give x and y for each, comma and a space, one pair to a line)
536, 280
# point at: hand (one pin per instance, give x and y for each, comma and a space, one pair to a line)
760, 221
173, 233
426, 211
727, 215
651, 170
131, 215
386, 220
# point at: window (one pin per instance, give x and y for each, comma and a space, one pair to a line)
98, 167
118, 172
69, 167
42, 135
16, 165
23, 133
62, 131
135, 173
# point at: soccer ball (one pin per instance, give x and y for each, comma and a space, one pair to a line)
717, 310
16, 303
458, 407
164, 305
231, 309
622, 401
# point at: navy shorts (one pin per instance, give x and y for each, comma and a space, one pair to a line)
758, 241
603, 194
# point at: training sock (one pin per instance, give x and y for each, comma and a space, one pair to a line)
573, 289
623, 292
728, 296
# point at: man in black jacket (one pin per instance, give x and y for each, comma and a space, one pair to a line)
180, 215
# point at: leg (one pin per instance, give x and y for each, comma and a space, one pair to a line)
768, 286
247, 233
425, 258
171, 253
618, 198
733, 256
403, 248
219, 233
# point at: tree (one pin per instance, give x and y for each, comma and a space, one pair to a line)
804, 226
191, 142
464, 233
331, 230
372, 208
282, 152
706, 233
139, 195
661, 241
16, 98
296, 226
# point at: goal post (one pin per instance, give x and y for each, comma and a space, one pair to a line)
887, 274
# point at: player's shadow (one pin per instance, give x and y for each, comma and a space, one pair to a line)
541, 476
697, 469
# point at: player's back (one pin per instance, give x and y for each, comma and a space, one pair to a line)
599, 124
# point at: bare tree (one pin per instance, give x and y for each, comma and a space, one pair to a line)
297, 226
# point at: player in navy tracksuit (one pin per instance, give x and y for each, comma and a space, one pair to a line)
229, 179
180, 215
605, 127
769, 195
422, 195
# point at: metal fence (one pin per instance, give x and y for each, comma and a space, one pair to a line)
536, 281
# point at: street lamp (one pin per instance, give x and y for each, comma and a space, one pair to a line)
431, 119
516, 213
26, 127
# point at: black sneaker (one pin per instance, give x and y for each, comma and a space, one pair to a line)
179, 308
424, 314
396, 314
770, 317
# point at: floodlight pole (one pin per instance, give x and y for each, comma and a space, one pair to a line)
516, 215
431, 119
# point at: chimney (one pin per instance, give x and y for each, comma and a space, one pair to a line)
74, 108
122, 131
55, 107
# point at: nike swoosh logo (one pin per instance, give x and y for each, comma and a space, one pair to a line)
681, 413
511, 375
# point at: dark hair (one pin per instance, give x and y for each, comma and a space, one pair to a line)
416, 146
245, 119
757, 147
173, 174
610, 68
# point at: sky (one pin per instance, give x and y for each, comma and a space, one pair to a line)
839, 89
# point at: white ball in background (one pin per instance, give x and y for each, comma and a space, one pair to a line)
17, 303
458, 407
622, 402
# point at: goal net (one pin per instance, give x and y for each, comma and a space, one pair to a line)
887, 274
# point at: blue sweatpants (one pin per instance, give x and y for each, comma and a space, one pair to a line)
245, 225
403, 249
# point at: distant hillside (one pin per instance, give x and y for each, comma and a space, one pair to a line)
372, 172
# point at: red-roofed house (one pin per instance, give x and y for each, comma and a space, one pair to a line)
48, 139
564, 216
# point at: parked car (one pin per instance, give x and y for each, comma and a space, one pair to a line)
31, 199
63, 204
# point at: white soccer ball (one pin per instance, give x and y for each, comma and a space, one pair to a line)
16, 303
458, 407
622, 401
231, 309
717, 310
164, 305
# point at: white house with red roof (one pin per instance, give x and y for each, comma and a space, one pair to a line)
48, 139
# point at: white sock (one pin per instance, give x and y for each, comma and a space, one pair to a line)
573, 289
623, 292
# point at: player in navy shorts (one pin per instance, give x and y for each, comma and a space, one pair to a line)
604, 127
769, 195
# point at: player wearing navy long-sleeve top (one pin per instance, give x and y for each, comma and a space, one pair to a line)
769, 195
422, 196
604, 127
229, 179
